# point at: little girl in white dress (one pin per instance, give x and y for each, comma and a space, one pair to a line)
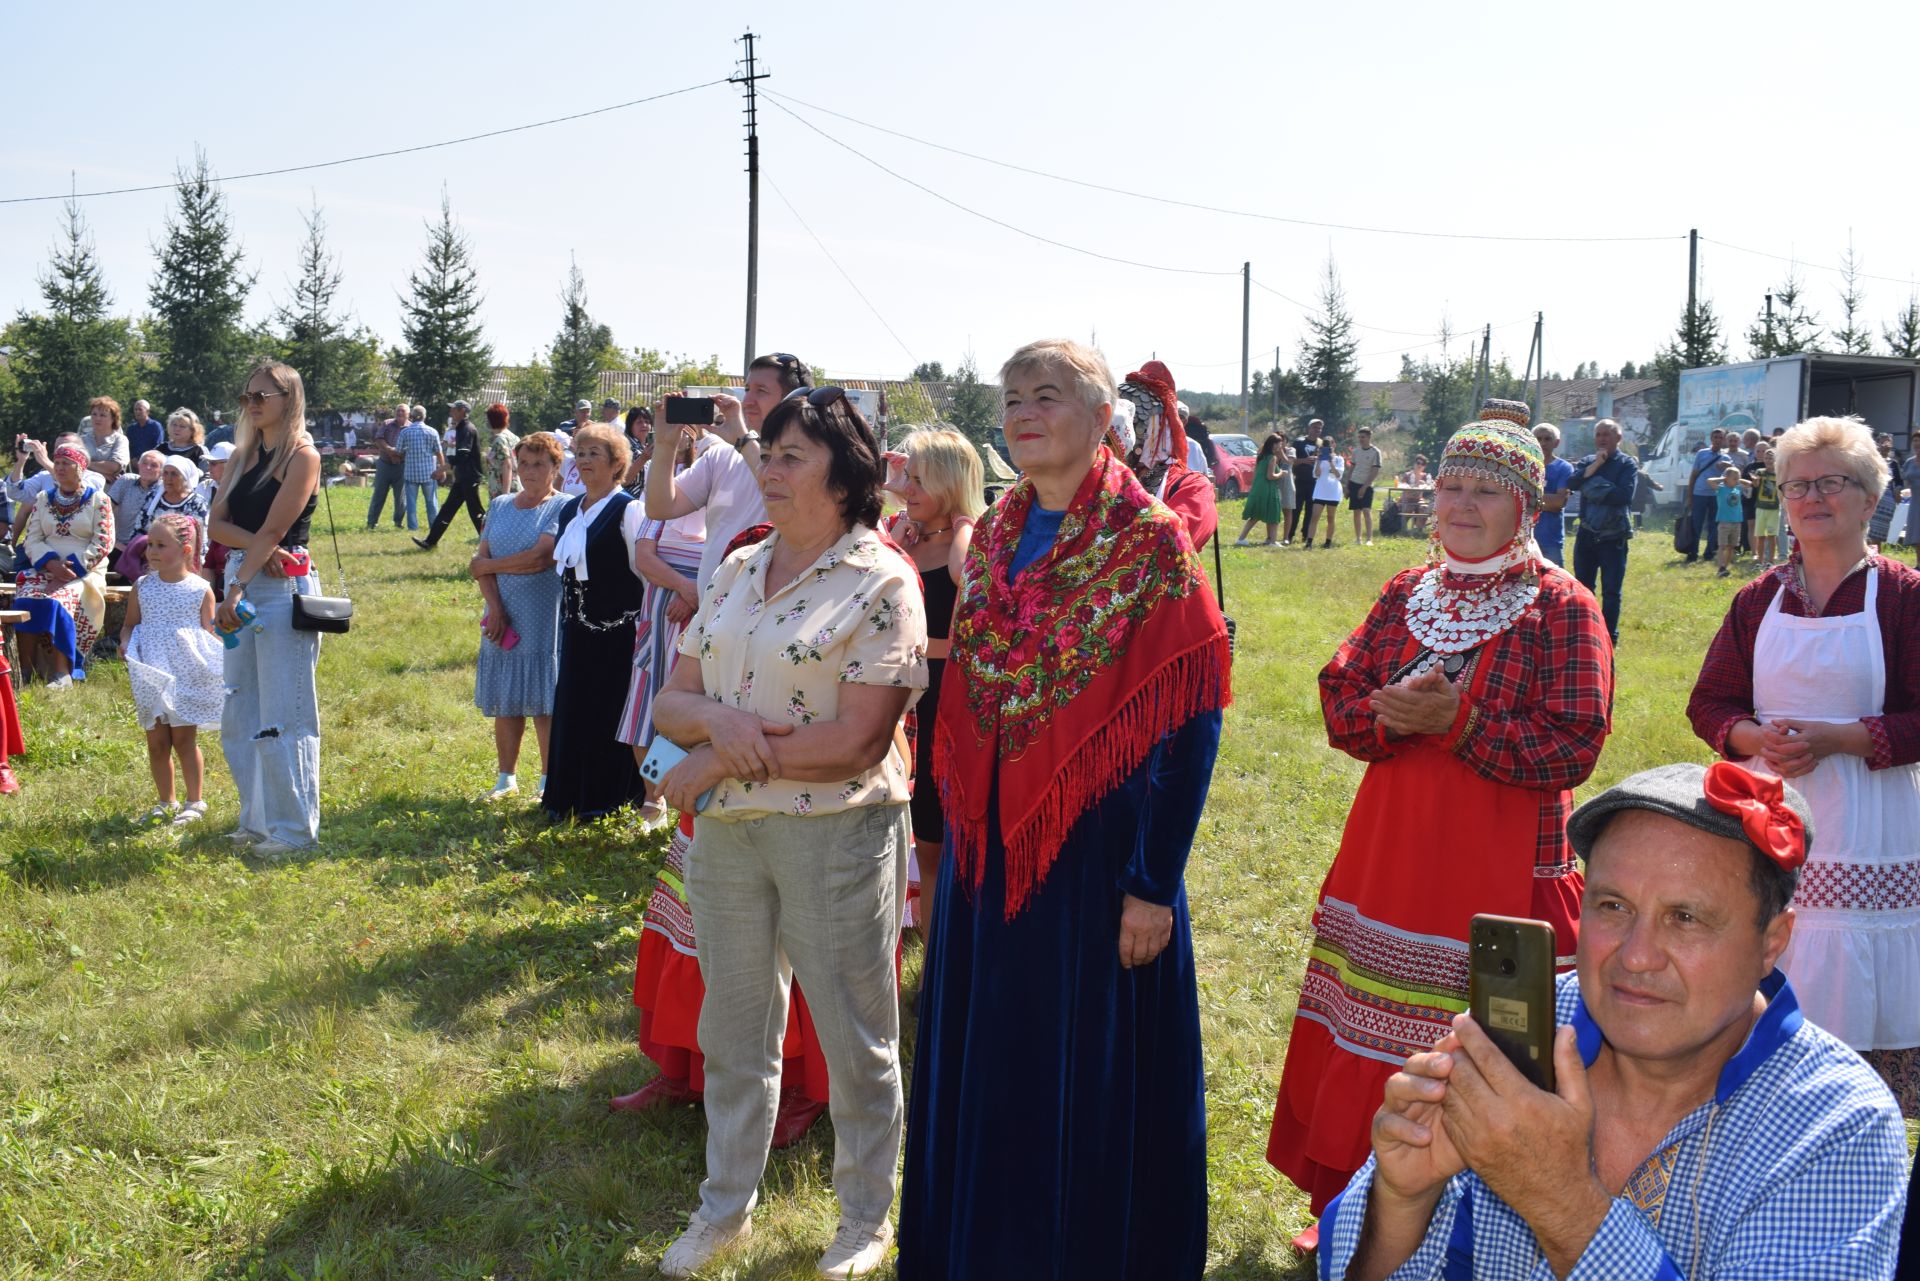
174, 662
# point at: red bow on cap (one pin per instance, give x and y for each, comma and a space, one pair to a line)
1760, 803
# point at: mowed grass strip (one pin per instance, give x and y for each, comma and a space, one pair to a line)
391, 1060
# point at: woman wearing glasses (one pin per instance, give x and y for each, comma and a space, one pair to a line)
1815, 677
794, 676
270, 727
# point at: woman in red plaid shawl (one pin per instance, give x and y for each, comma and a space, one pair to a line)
1480, 686
1058, 1124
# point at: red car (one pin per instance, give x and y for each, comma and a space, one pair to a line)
1233, 476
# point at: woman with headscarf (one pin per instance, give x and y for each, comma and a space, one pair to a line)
69, 538
1161, 463
1478, 691
1058, 1125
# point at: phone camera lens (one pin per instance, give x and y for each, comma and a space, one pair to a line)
1506, 967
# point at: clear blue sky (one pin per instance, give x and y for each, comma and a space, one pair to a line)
1775, 127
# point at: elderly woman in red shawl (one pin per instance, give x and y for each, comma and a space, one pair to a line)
1161, 460
1058, 1128
1478, 691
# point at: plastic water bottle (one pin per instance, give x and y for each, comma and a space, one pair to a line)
246, 614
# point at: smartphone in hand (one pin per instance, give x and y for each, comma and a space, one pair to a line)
1510, 990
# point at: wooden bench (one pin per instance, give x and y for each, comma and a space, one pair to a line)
9, 619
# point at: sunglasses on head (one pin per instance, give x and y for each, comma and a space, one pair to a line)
824, 397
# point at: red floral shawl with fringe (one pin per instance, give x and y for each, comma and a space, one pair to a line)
1062, 680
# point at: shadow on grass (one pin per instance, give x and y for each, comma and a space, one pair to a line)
540, 1183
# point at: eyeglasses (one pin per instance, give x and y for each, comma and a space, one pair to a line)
258, 398
1829, 485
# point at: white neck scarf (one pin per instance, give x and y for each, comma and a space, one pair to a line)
571, 551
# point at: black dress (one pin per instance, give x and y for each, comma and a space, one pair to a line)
938, 587
591, 772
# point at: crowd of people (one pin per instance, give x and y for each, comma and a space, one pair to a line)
719, 621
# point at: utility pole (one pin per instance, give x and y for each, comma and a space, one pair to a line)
1246, 315
749, 77
1276, 389
1769, 324
1486, 368
1540, 370
1693, 283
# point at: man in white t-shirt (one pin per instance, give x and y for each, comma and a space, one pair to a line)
724, 482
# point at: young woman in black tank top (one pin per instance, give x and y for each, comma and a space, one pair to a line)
270, 727
937, 475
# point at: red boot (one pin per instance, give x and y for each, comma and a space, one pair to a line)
8, 783
661, 1092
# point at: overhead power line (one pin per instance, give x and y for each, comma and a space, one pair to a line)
1190, 204
860, 293
1798, 262
998, 222
372, 155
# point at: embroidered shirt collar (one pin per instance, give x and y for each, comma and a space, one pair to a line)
1772, 1030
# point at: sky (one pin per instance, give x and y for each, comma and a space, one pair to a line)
1565, 128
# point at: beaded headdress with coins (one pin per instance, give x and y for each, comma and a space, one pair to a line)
1500, 448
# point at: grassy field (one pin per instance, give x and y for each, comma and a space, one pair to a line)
390, 1060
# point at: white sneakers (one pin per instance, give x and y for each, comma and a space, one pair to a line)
858, 1250
699, 1243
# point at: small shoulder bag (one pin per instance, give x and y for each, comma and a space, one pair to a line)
325, 613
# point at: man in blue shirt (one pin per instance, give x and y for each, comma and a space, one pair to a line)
421, 461
1699, 1129
1550, 529
1605, 479
1708, 462
144, 432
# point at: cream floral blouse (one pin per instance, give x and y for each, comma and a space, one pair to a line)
854, 618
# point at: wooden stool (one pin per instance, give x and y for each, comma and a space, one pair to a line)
9, 619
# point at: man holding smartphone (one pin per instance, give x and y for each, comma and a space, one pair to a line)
1699, 1126
724, 481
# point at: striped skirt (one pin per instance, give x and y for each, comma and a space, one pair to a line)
654, 639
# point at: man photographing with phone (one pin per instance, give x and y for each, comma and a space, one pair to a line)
1699, 1127
724, 479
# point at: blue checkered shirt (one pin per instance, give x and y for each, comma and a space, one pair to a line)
421, 445
1797, 1168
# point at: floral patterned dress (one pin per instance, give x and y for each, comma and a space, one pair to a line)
75, 529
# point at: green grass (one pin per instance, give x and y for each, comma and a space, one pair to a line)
390, 1060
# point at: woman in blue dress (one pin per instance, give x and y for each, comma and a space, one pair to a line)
1058, 1126
519, 644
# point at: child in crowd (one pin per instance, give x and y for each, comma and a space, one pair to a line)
1766, 509
1731, 513
174, 662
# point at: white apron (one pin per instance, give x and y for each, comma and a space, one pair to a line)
1855, 955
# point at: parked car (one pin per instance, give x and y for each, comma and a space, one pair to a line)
1234, 476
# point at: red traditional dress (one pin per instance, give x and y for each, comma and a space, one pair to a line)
1443, 827
1163, 466
11, 743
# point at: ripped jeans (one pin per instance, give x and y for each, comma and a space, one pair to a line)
270, 727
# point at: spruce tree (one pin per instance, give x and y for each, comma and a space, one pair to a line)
1794, 328
310, 331
198, 295
73, 350
444, 357
578, 351
1854, 337
1696, 343
1327, 363
1903, 339
972, 404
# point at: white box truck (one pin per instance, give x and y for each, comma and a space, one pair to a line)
1777, 393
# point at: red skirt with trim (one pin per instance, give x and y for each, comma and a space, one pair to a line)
1388, 969
668, 990
11, 743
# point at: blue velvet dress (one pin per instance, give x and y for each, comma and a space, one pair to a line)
1057, 1124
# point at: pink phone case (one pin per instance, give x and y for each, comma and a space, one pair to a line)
508, 638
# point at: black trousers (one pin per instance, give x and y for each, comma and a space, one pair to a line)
461, 491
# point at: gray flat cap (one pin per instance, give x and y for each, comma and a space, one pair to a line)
461, 404
582, 404
1679, 792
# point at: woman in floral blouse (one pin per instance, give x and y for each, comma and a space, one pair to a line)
808, 648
